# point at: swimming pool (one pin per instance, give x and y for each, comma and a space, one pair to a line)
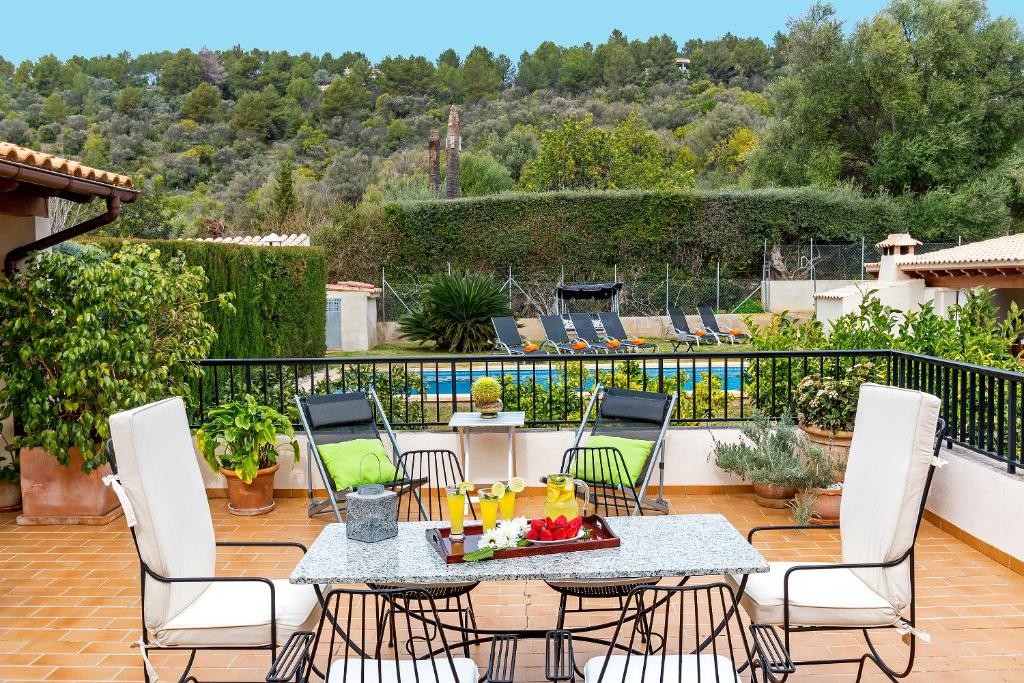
440, 381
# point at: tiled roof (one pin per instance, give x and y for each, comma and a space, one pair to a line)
271, 240
1008, 250
849, 290
351, 286
900, 239
48, 162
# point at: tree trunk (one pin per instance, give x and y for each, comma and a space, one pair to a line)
434, 162
453, 145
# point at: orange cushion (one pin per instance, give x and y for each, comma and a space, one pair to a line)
639, 340
699, 333
735, 331
530, 347
613, 343
579, 345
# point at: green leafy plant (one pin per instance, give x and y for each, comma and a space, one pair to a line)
486, 391
455, 312
829, 402
83, 338
242, 436
10, 468
773, 453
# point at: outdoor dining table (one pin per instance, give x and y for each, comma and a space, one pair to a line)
671, 546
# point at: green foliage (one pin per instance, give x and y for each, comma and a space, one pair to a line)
280, 302
201, 104
86, 337
772, 452
486, 391
481, 174
181, 73
636, 230
147, 217
283, 199
829, 402
242, 436
455, 312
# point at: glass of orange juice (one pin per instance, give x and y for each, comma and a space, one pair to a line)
489, 503
456, 512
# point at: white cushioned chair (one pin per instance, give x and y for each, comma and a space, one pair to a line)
185, 605
896, 438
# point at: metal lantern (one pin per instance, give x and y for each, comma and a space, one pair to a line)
372, 514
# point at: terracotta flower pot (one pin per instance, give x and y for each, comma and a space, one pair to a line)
835, 444
773, 495
54, 494
254, 498
10, 496
826, 506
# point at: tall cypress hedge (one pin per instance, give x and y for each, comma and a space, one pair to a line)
280, 300
595, 230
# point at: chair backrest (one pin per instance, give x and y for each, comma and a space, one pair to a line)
507, 331
357, 625
690, 633
678, 318
708, 319
334, 418
886, 482
632, 414
441, 468
612, 324
157, 465
584, 326
554, 328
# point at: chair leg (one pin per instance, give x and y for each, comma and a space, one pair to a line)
561, 612
463, 623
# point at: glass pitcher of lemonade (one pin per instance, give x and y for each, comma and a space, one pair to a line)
561, 497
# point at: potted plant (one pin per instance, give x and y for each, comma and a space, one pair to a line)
241, 440
827, 405
82, 337
486, 393
770, 458
821, 491
10, 484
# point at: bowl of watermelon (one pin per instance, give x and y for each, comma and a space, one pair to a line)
549, 531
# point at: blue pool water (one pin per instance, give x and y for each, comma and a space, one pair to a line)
440, 381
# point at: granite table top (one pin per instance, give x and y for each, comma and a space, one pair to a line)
667, 545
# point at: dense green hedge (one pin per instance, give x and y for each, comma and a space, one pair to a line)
634, 229
280, 301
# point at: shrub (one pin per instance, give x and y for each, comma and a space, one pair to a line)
455, 313
83, 338
246, 434
771, 453
635, 229
486, 391
280, 300
829, 402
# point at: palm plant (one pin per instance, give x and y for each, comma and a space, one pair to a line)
455, 312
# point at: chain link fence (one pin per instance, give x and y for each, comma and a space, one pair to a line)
815, 261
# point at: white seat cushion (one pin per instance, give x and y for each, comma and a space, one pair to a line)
834, 597
237, 613
414, 671
713, 669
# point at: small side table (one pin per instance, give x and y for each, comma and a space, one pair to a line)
506, 421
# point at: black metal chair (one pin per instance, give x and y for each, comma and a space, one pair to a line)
681, 330
558, 338
614, 329
710, 322
353, 642
624, 413
336, 418
508, 338
676, 634
439, 468
585, 330
888, 476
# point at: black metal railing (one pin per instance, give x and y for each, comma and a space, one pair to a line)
981, 405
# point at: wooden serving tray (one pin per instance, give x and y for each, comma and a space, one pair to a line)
601, 536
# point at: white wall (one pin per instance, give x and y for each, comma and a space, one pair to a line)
978, 495
797, 295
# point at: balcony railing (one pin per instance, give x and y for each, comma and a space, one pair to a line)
982, 405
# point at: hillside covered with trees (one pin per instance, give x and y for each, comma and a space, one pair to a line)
923, 103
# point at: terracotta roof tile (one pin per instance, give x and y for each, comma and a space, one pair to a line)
1008, 250
900, 239
271, 240
48, 162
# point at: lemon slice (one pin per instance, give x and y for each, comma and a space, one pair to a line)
466, 487
498, 489
516, 485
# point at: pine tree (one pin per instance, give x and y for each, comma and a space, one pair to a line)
283, 199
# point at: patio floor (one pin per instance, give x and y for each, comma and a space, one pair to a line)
69, 604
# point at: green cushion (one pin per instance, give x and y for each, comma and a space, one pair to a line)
344, 462
634, 454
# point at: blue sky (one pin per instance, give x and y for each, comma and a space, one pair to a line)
379, 28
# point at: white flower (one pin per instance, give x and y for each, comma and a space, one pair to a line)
515, 528
494, 538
